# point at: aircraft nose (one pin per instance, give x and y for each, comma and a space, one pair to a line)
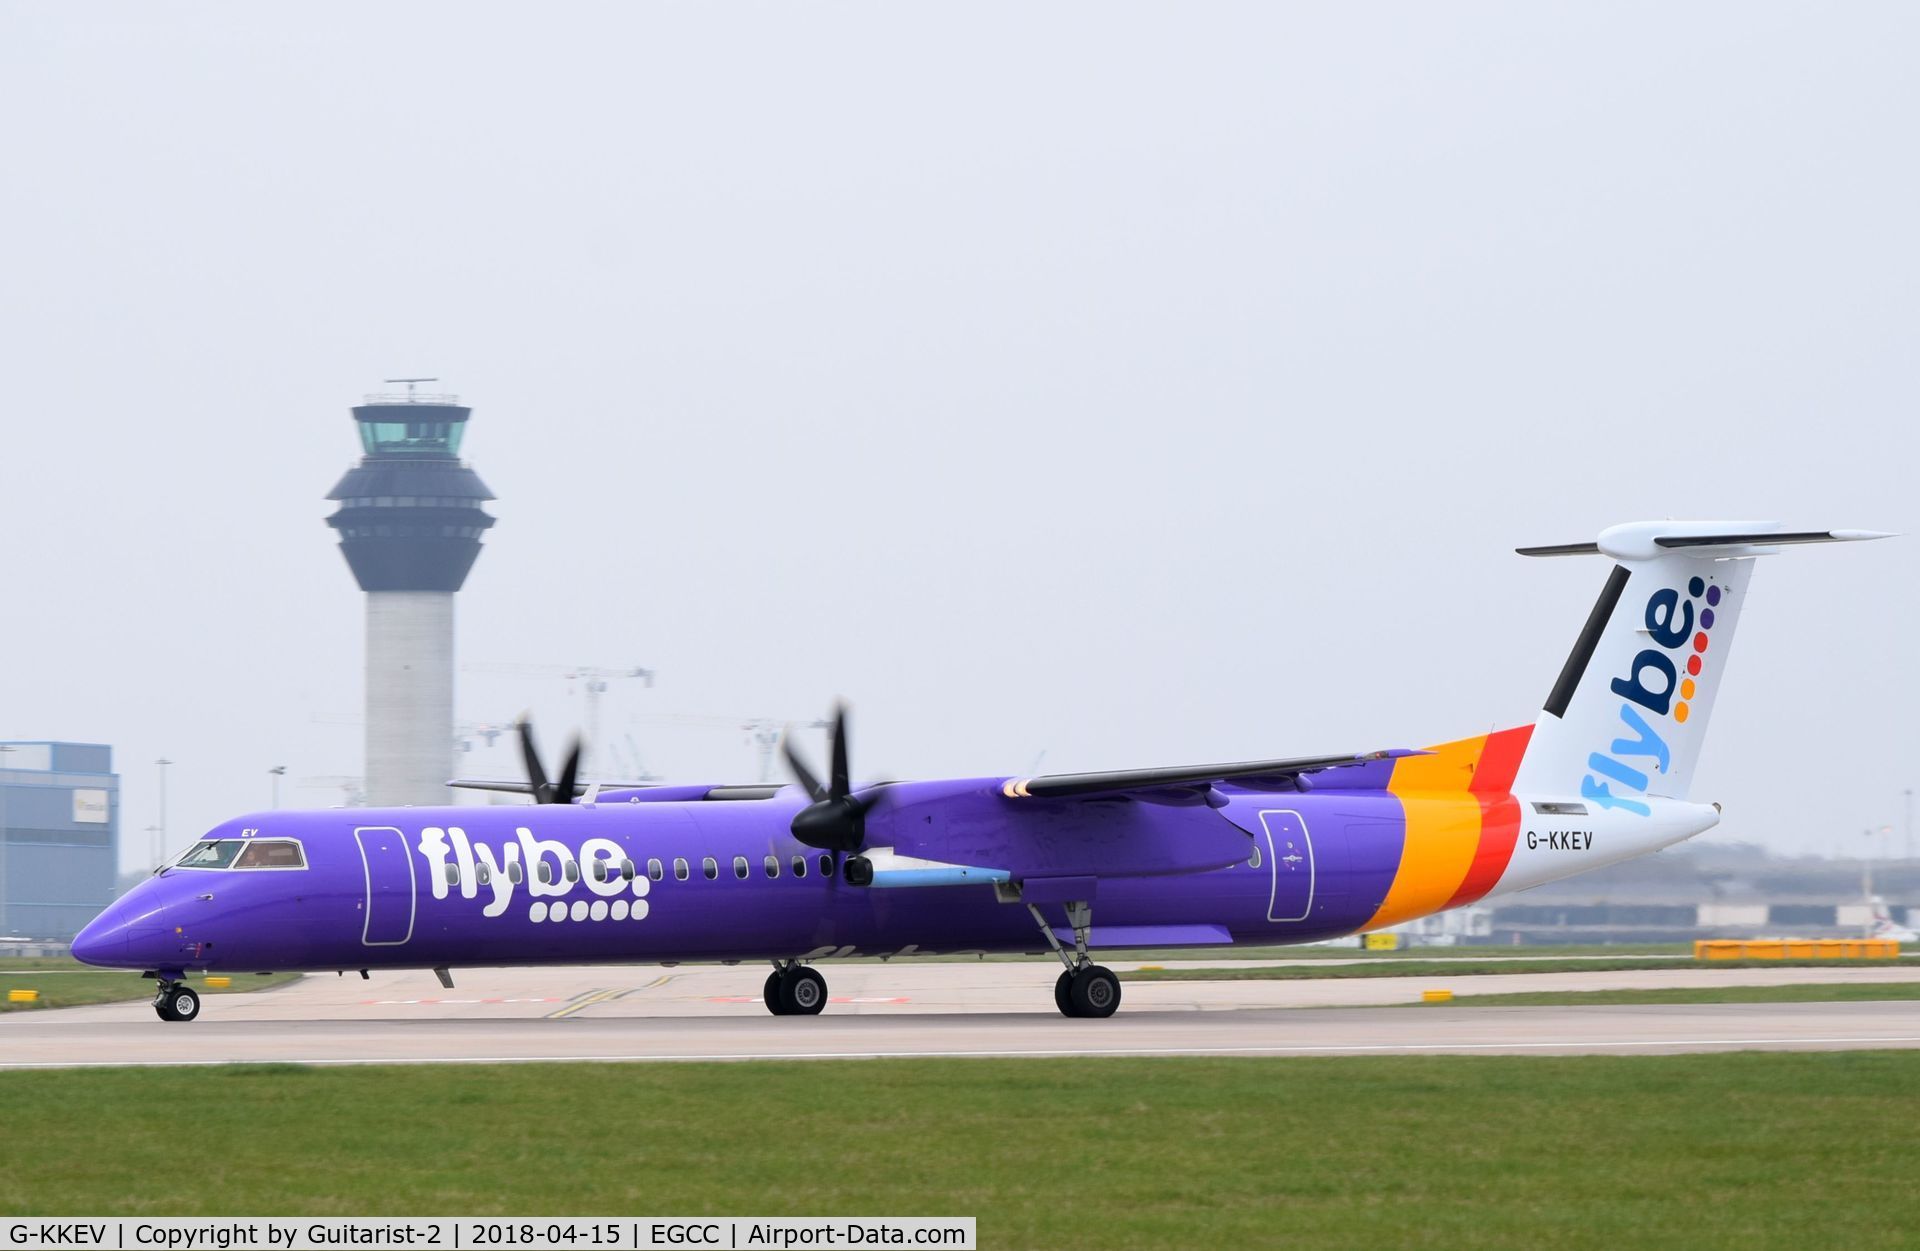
103, 941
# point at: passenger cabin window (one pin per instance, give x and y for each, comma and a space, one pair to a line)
573, 870
483, 873
453, 874
654, 870
515, 873
799, 866
710, 867
545, 871
772, 866
826, 866
679, 870
626, 870
740, 867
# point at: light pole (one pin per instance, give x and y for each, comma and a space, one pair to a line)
277, 772
160, 830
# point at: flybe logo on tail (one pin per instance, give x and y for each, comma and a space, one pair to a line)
1660, 685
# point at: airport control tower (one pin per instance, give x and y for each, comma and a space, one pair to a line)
410, 521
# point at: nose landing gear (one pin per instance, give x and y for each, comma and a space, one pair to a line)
176, 1001
793, 989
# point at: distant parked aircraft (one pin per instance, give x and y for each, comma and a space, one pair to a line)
1884, 926
1289, 850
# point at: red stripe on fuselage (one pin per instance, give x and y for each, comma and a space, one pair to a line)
1499, 812
1499, 831
1500, 761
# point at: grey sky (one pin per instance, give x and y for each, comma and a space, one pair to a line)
1136, 384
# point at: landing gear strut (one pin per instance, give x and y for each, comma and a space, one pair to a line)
1085, 989
793, 989
176, 1001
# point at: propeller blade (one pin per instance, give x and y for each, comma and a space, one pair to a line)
802, 774
569, 775
839, 785
530, 756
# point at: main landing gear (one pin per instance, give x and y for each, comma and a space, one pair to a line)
793, 989
176, 1001
1085, 989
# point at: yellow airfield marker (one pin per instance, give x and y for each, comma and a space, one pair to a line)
22, 996
1436, 996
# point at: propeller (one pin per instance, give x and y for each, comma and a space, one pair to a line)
836, 820
545, 792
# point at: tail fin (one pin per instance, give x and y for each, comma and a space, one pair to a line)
1627, 716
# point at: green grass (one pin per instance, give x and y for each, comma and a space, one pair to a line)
1810, 993
1462, 968
64, 982
1742, 1150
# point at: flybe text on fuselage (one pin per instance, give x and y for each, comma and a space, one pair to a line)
1661, 680
547, 867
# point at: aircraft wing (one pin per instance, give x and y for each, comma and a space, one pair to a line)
1184, 779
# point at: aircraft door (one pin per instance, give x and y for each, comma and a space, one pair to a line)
1290, 852
390, 886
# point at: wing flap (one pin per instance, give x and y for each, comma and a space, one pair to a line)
1184, 780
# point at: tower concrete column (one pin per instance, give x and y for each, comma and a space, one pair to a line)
410, 521
409, 696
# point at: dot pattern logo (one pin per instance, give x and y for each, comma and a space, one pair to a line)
1697, 589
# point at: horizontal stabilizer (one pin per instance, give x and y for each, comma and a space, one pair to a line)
1646, 540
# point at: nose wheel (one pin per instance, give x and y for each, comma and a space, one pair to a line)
794, 990
176, 1001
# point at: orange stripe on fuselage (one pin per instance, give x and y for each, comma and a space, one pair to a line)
1443, 830
1461, 824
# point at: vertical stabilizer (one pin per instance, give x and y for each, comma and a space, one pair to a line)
1626, 718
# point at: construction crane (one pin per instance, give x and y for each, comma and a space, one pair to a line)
763, 732
593, 680
352, 788
463, 733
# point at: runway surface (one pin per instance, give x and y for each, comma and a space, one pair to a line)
936, 1009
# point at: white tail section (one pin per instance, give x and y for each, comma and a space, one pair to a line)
1626, 719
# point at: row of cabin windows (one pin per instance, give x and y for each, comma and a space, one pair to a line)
607, 870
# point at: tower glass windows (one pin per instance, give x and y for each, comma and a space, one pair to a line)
412, 438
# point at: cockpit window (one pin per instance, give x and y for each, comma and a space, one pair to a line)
210, 854
243, 853
271, 853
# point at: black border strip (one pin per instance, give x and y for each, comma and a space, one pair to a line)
1582, 654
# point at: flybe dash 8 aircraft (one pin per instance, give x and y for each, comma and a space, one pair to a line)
1265, 851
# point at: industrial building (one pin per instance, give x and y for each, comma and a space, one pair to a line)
59, 837
410, 521
1707, 890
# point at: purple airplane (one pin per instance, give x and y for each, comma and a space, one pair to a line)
1267, 851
